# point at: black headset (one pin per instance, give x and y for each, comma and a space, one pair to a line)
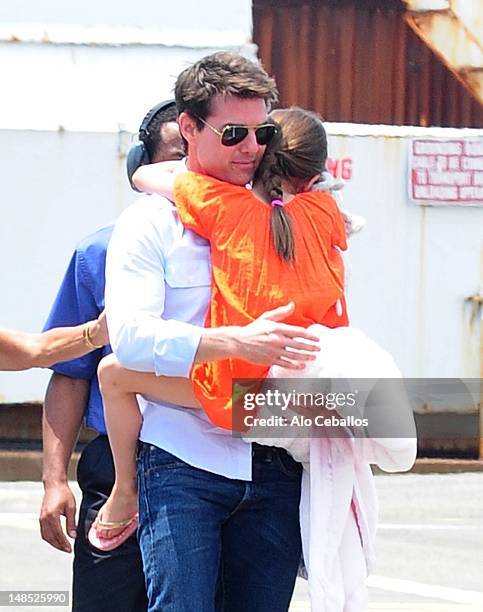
138, 154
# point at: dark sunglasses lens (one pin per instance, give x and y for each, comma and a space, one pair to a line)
233, 134
265, 134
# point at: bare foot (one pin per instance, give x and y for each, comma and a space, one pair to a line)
117, 513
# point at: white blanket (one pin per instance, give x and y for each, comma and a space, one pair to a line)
338, 507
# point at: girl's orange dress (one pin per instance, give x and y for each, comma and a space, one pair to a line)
249, 278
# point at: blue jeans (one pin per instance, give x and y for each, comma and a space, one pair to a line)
213, 544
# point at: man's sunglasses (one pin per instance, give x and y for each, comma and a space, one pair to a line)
232, 135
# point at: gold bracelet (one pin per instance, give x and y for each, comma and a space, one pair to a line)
86, 336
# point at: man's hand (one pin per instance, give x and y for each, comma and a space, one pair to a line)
266, 340
58, 501
270, 342
64, 407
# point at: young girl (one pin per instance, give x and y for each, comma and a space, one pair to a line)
279, 242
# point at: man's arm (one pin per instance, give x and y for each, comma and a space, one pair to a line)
266, 341
135, 295
64, 407
78, 299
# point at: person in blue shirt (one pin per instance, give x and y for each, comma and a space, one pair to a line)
101, 581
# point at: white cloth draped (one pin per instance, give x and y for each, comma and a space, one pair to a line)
338, 508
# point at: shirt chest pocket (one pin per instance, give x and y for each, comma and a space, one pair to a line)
182, 272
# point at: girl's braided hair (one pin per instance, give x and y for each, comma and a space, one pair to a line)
296, 154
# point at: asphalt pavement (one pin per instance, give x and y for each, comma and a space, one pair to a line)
429, 546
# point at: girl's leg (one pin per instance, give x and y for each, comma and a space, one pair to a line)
123, 420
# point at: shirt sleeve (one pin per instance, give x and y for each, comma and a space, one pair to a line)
135, 292
202, 201
75, 304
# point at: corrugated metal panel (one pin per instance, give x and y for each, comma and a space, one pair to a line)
442, 30
359, 62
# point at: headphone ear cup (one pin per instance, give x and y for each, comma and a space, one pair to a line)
137, 156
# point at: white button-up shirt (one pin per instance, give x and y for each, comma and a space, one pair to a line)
158, 277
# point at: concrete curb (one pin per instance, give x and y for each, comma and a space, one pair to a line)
446, 466
16, 465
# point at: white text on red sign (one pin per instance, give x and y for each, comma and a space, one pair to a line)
447, 170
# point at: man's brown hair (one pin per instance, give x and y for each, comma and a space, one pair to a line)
221, 73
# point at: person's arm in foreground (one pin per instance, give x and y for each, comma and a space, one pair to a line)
21, 350
60, 428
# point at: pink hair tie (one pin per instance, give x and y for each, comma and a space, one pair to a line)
276, 203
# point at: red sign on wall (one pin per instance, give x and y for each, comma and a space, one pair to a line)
340, 168
446, 171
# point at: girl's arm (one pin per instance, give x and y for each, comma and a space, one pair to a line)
157, 178
21, 350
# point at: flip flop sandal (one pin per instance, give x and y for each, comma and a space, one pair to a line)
101, 543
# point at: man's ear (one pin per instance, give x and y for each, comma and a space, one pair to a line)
187, 126
312, 181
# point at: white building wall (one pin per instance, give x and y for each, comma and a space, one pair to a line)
193, 15
75, 74
89, 87
411, 268
56, 188
94, 66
